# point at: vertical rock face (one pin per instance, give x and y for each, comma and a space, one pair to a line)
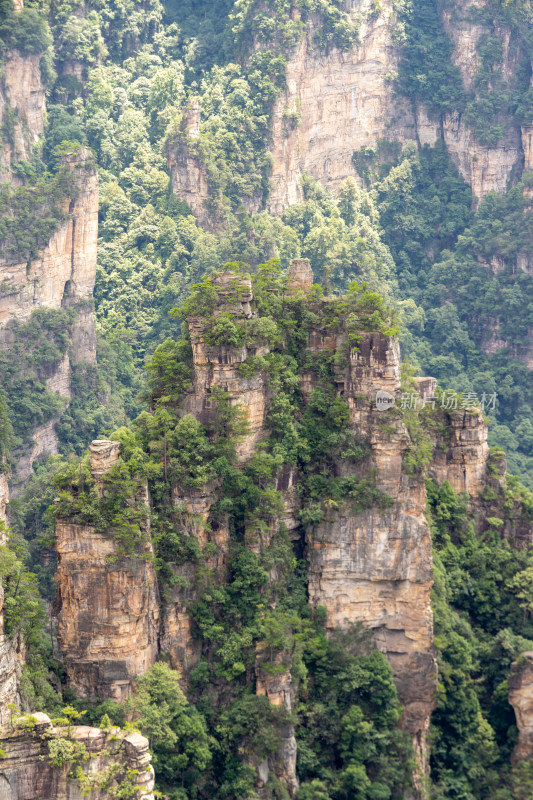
9, 669
521, 698
462, 452
375, 567
280, 690
64, 272
61, 276
189, 179
300, 277
346, 101
26, 772
108, 614
217, 366
21, 93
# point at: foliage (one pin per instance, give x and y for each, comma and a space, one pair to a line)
442, 252
36, 348
27, 30
118, 509
31, 213
426, 73
479, 631
177, 732
23, 608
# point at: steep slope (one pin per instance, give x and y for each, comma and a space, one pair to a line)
356, 513
59, 278
22, 108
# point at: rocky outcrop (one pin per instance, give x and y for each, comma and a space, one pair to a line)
496, 500
461, 452
188, 175
521, 699
22, 108
115, 761
107, 603
61, 276
280, 690
217, 366
375, 566
300, 276
345, 100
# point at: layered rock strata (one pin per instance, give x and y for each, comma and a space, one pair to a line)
27, 772
375, 567
521, 698
461, 451
343, 100
108, 603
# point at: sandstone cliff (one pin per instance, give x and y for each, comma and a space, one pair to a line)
521, 698
22, 108
107, 602
375, 567
346, 101
61, 276
109, 762
369, 566
338, 101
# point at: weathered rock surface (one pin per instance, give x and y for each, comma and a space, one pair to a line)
216, 366
61, 276
521, 698
108, 603
346, 101
26, 772
375, 567
461, 454
300, 276
280, 690
22, 100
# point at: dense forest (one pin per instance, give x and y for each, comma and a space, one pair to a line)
408, 246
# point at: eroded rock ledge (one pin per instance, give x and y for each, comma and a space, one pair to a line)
31, 770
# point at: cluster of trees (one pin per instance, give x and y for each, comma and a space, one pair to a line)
482, 605
256, 616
